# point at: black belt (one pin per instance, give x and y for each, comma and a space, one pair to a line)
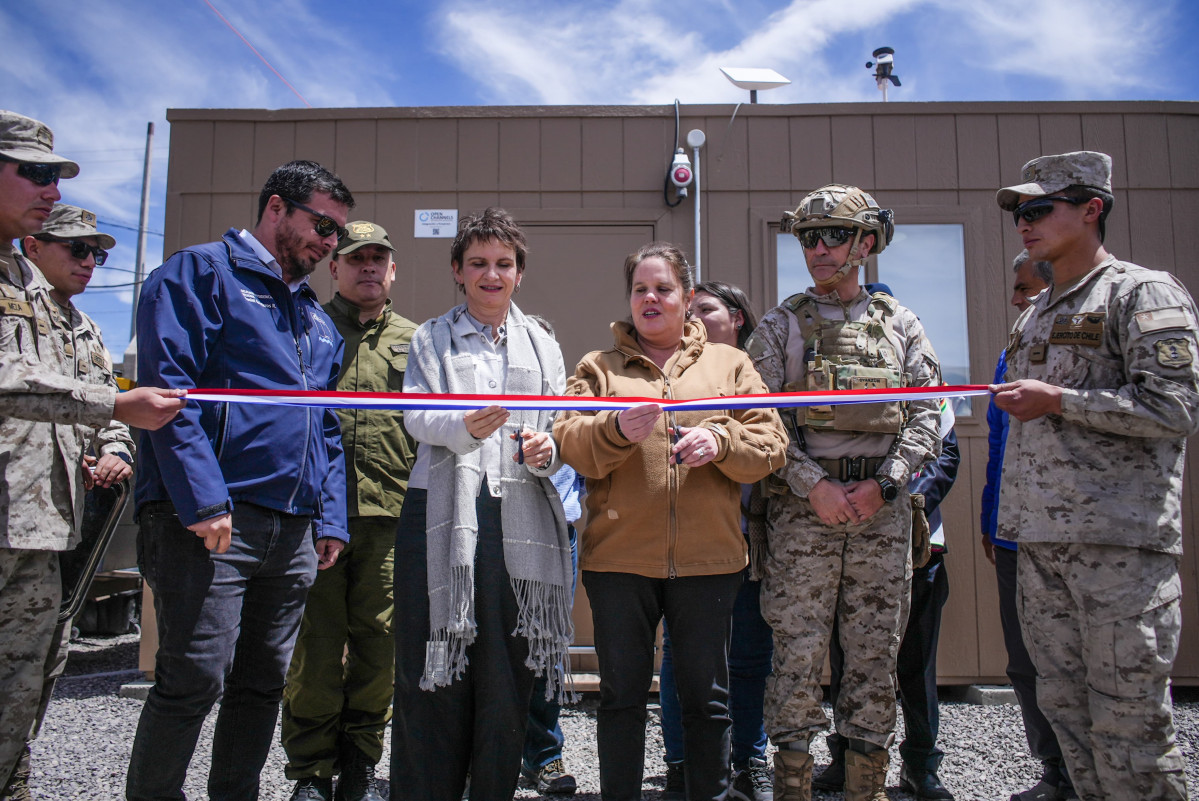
852, 468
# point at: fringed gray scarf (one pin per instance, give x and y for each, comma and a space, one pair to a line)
536, 543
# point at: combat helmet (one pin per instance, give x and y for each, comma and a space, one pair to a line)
840, 205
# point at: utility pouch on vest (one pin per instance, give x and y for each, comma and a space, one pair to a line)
922, 549
878, 418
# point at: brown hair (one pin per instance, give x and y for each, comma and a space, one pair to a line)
493, 223
734, 300
671, 254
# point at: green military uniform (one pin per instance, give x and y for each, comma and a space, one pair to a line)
327, 703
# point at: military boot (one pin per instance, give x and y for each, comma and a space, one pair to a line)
866, 775
17, 788
792, 775
357, 782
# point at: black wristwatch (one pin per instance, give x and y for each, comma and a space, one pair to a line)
890, 491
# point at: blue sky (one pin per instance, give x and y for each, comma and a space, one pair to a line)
97, 72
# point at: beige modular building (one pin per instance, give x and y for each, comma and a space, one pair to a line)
588, 184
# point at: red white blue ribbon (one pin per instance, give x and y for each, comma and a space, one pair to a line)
419, 400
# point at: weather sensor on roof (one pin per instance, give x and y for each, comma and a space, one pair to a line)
884, 62
753, 79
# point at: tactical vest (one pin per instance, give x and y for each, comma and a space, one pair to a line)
840, 354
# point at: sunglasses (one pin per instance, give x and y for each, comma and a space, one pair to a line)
1038, 207
80, 250
39, 174
325, 225
831, 237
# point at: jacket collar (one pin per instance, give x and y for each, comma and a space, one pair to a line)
695, 336
354, 313
1089, 278
243, 257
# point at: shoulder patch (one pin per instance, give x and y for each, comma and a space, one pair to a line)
755, 347
398, 349
1174, 352
1161, 319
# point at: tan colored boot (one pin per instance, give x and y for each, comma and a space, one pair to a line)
792, 775
866, 775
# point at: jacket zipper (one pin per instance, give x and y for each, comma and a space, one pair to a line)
222, 426
307, 413
672, 478
672, 487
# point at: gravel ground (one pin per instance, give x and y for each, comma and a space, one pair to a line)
84, 745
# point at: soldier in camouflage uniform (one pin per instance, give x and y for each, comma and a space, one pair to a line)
1103, 390
47, 416
840, 521
66, 252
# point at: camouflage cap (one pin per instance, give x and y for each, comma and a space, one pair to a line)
25, 139
72, 222
1048, 174
360, 233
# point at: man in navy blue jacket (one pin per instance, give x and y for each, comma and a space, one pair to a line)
238, 504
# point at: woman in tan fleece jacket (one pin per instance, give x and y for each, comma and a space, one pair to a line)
663, 535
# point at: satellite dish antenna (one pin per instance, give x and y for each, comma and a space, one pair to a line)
753, 79
883, 64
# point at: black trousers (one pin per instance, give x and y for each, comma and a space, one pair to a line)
626, 609
916, 669
477, 723
1042, 742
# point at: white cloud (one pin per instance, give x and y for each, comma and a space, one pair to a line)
1089, 47
636, 51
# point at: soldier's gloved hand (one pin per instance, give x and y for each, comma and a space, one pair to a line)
831, 504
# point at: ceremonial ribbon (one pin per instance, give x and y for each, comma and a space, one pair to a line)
422, 400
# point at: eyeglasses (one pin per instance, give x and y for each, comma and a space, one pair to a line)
80, 250
325, 225
1038, 207
39, 174
831, 237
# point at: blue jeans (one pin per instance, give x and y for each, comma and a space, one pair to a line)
751, 650
543, 736
227, 624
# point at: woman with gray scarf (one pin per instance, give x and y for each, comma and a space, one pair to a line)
483, 568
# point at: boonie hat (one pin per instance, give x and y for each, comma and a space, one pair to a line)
72, 222
1048, 174
360, 233
25, 139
